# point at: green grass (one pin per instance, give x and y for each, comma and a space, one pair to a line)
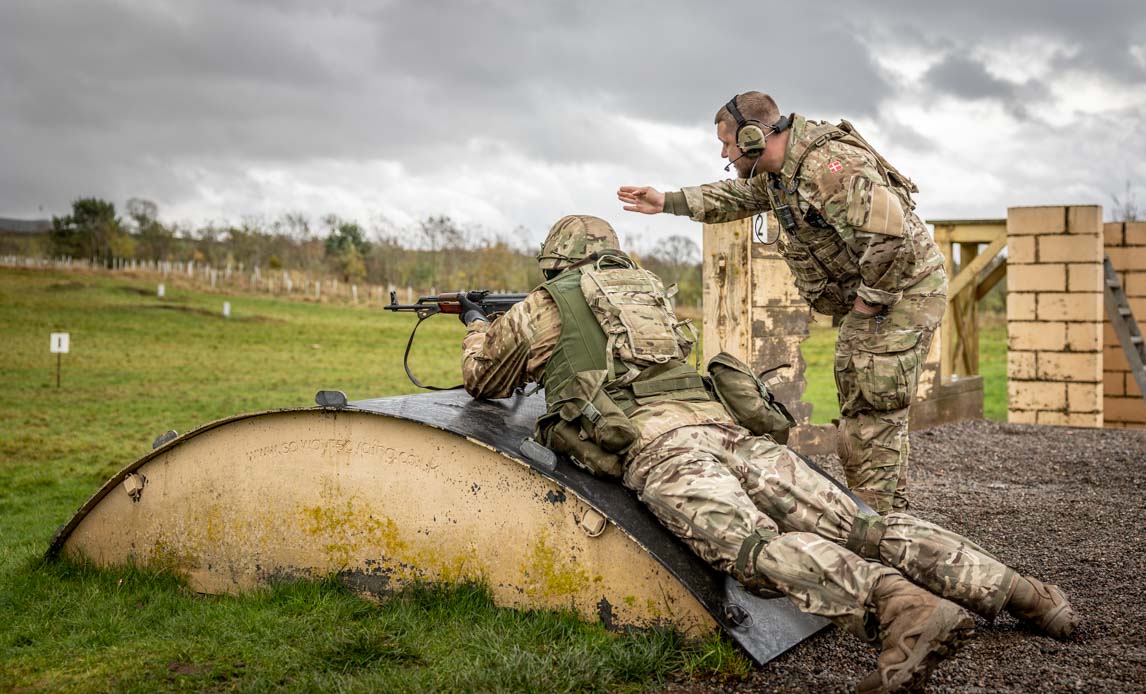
819, 348
140, 366
993, 366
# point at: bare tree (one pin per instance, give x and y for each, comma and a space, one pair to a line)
677, 251
1126, 207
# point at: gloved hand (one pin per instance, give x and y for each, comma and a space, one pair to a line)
471, 310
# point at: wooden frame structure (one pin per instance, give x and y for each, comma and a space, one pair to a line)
979, 272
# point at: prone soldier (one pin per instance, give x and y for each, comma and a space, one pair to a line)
602, 337
857, 251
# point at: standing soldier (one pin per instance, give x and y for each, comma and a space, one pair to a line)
858, 251
602, 337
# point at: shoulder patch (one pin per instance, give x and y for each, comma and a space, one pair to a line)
835, 166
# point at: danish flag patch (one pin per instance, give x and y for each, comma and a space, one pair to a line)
835, 167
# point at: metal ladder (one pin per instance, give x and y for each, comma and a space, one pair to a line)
1122, 318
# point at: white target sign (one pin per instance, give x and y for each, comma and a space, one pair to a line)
59, 344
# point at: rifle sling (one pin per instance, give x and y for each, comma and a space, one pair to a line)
406, 362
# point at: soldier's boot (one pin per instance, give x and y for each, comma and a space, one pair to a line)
917, 630
1042, 605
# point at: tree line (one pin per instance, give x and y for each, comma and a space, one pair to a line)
434, 252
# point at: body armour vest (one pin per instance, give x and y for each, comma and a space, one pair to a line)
618, 365
826, 270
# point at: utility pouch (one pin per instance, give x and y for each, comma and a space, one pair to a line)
568, 439
585, 402
747, 399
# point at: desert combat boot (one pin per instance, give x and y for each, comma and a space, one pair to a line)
917, 630
1042, 605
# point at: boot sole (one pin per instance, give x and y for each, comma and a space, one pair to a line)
957, 628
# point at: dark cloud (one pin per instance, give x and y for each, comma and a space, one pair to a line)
904, 136
963, 78
122, 98
1097, 35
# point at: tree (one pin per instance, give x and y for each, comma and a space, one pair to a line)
343, 236
155, 241
346, 246
677, 255
142, 211
90, 231
1126, 207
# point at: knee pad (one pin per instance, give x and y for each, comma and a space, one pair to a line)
867, 532
750, 549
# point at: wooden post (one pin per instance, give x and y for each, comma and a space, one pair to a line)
947, 354
959, 336
967, 363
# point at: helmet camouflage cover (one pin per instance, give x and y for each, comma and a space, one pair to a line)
572, 238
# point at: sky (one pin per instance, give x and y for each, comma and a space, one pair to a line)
508, 115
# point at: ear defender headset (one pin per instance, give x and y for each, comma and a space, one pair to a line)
750, 132
750, 137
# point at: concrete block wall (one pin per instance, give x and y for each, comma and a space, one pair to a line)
1124, 405
1054, 315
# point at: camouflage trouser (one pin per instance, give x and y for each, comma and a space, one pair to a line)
877, 367
730, 495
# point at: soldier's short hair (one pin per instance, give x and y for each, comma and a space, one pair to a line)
753, 106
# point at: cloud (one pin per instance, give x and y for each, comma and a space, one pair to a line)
508, 113
960, 77
969, 79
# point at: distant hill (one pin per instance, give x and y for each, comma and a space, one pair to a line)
24, 226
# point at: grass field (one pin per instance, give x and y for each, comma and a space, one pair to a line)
139, 366
821, 391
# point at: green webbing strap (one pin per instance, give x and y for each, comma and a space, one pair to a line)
867, 532
667, 385
750, 549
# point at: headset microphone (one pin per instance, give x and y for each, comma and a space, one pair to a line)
733, 161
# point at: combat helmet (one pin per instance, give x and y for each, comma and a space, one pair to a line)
572, 238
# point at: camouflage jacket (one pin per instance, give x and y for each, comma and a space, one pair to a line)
849, 228
511, 352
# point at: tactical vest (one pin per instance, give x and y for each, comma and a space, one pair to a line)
618, 349
826, 271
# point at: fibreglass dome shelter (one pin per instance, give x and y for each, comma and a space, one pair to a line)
428, 487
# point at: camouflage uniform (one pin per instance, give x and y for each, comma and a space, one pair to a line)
849, 231
746, 504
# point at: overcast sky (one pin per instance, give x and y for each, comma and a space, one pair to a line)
511, 114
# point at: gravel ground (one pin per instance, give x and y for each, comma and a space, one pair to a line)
1065, 505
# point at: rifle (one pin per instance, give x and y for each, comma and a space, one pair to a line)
491, 304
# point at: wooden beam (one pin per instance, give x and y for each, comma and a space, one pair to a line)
973, 234
967, 275
965, 222
955, 310
968, 336
969, 331
996, 271
947, 332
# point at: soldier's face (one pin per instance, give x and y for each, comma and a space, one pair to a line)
726, 133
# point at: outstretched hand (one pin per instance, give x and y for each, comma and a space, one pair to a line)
642, 199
